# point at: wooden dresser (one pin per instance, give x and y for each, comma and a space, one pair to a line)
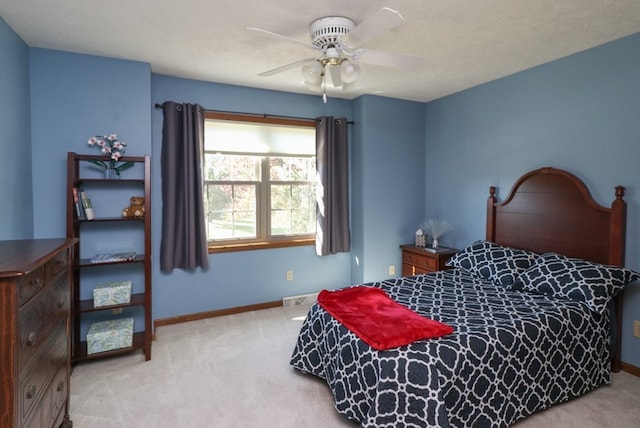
416, 260
34, 333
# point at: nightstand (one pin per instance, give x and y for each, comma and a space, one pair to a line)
416, 260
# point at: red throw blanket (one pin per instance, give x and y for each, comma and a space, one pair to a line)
377, 319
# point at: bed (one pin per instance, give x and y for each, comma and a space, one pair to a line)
524, 337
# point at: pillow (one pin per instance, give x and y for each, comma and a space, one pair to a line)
575, 279
501, 265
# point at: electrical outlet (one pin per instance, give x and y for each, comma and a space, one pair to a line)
392, 269
289, 275
636, 328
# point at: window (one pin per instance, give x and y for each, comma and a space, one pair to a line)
259, 182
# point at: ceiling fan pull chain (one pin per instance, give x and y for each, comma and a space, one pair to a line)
324, 88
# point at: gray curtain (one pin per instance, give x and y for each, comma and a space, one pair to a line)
184, 236
332, 197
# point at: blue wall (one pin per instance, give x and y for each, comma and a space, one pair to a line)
75, 97
16, 220
580, 113
388, 183
247, 277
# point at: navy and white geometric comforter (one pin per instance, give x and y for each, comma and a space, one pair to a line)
512, 353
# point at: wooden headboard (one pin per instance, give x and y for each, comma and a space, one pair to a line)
551, 210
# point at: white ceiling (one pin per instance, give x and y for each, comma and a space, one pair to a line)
463, 42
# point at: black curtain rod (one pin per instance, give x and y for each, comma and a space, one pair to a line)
350, 122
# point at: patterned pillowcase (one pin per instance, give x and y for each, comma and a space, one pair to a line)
501, 265
575, 279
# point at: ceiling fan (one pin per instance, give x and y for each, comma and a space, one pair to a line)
338, 40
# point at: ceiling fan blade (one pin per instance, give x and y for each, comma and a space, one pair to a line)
286, 67
335, 75
383, 20
281, 37
389, 59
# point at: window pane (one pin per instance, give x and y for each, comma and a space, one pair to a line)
231, 211
303, 169
219, 167
280, 222
280, 197
303, 221
244, 224
277, 169
301, 196
292, 169
244, 197
303, 216
292, 209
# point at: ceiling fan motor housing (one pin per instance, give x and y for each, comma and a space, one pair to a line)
328, 31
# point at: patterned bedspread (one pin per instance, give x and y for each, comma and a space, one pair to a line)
512, 353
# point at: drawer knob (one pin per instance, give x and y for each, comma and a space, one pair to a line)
31, 392
60, 386
31, 339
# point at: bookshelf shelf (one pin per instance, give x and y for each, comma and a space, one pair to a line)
85, 263
139, 342
87, 231
109, 219
137, 299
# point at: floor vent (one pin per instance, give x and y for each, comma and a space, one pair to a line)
303, 299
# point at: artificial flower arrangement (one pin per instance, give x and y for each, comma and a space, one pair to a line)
110, 146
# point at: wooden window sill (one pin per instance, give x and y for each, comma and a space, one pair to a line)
250, 246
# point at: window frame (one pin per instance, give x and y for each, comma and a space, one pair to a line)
262, 201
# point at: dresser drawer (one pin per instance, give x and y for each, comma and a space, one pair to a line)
35, 420
39, 316
58, 395
420, 261
30, 284
55, 266
410, 258
35, 383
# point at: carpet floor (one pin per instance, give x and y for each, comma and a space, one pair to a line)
233, 371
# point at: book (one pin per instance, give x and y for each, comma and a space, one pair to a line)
113, 257
80, 215
86, 205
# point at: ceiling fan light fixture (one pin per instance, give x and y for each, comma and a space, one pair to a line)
312, 73
329, 30
339, 40
315, 87
349, 71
